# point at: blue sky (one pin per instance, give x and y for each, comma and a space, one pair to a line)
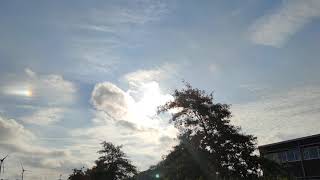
75, 73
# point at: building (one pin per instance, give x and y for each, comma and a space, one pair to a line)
300, 156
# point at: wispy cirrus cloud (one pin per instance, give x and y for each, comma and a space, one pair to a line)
283, 115
276, 27
139, 77
45, 116
100, 32
137, 12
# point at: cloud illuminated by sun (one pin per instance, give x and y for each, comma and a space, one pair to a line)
142, 110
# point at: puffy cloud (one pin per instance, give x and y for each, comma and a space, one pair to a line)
138, 104
23, 146
111, 99
133, 122
276, 28
39, 99
30, 73
11, 131
281, 115
42, 97
49, 89
52, 87
16, 138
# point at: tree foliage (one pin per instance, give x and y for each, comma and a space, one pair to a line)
112, 165
178, 165
206, 125
79, 174
209, 147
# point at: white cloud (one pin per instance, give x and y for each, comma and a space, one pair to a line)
44, 98
146, 140
275, 28
133, 121
45, 116
137, 12
23, 146
109, 98
14, 137
137, 78
52, 87
140, 76
40, 99
282, 115
30, 73
116, 24
10, 131
121, 105
49, 89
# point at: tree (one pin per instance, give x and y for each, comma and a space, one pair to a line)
206, 125
79, 174
179, 164
112, 165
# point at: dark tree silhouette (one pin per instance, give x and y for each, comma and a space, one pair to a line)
79, 174
178, 165
181, 163
112, 164
206, 125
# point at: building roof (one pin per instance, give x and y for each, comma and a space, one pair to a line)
291, 140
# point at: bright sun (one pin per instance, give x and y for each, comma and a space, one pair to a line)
144, 109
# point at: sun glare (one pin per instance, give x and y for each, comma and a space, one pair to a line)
142, 110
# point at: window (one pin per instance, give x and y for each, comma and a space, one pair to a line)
293, 155
311, 153
273, 157
282, 156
